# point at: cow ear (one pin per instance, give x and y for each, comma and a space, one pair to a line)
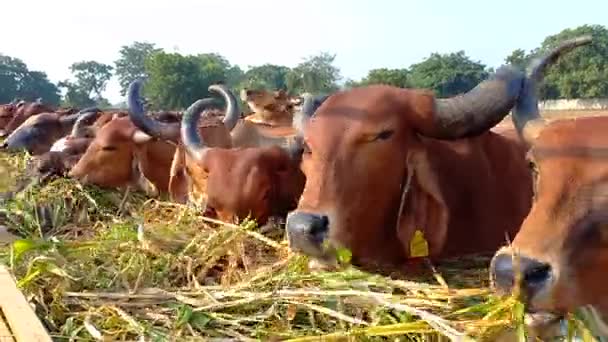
140, 181
424, 217
139, 137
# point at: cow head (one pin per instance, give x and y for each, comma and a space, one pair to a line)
37, 134
366, 151
121, 155
24, 111
557, 260
258, 182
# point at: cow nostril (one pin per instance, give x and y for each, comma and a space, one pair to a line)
537, 273
534, 274
311, 226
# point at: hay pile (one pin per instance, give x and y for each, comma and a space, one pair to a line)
99, 263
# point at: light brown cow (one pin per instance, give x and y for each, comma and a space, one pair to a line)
561, 250
270, 108
389, 170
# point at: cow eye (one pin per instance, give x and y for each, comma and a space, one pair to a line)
109, 148
384, 135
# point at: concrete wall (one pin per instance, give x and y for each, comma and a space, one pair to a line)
574, 104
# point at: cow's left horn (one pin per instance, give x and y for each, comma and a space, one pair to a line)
526, 116
194, 144
232, 115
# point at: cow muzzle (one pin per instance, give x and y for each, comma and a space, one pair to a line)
520, 273
307, 234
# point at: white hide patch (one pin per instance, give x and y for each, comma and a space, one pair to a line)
60, 145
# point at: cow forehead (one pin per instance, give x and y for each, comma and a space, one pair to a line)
574, 139
119, 129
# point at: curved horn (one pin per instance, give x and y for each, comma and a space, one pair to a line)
82, 122
485, 105
233, 112
195, 147
70, 119
526, 116
161, 130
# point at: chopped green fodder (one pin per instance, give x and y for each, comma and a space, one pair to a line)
99, 263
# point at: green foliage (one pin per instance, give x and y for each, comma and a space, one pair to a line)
131, 64
394, 77
91, 80
16, 81
316, 74
582, 73
92, 77
447, 74
267, 76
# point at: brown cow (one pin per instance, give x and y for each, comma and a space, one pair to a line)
38, 133
561, 249
388, 168
254, 182
23, 111
121, 155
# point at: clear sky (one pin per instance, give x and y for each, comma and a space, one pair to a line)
365, 34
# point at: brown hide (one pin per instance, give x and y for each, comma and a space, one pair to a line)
362, 146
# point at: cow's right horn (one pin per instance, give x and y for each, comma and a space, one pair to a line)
232, 112
161, 130
194, 144
488, 103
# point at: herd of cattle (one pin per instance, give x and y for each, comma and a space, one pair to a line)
369, 169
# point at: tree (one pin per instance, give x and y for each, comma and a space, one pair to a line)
582, 73
316, 74
16, 81
91, 77
176, 81
447, 74
75, 96
267, 76
518, 58
35, 85
394, 77
131, 64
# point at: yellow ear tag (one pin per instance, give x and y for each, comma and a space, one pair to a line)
419, 247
